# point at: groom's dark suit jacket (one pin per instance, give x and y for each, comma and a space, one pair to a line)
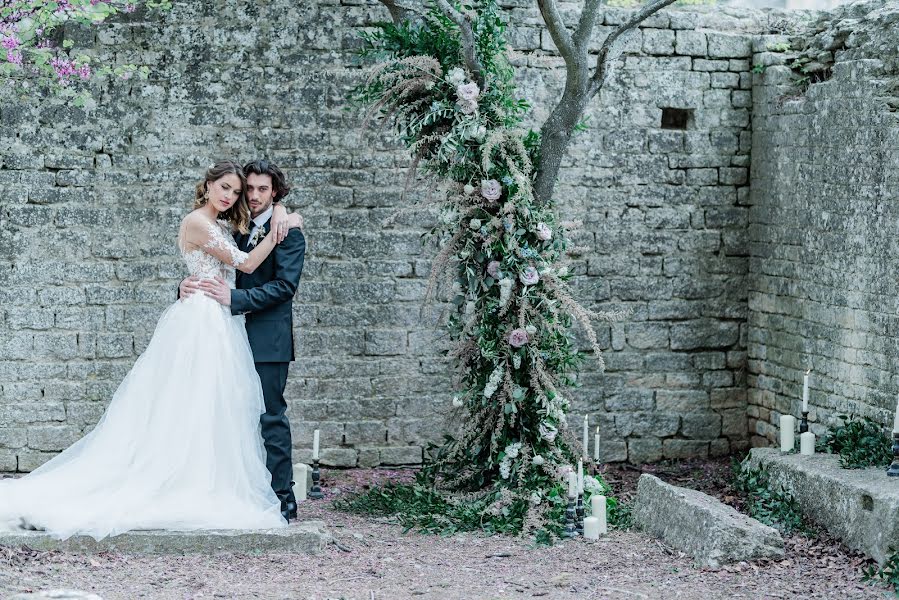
265, 296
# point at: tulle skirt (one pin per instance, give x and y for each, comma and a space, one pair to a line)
178, 448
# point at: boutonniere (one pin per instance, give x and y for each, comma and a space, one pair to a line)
257, 236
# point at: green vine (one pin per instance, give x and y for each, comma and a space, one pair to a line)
766, 502
887, 574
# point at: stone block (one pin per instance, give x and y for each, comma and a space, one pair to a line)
700, 426
691, 43
858, 506
679, 401
641, 451
339, 457
401, 455
713, 533
365, 432
305, 537
685, 449
52, 437
726, 45
646, 424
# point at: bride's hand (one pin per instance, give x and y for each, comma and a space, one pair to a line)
295, 220
280, 223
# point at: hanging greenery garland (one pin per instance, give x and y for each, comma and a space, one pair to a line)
501, 262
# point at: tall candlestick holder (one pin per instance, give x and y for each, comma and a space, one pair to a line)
803, 424
893, 470
579, 514
316, 492
570, 514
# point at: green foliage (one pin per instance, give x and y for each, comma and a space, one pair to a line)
779, 47
887, 574
423, 506
771, 505
758, 68
860, 443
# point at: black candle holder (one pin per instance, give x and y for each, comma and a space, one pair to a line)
570, 515
803, 424
893, 470
579, 513
316, 492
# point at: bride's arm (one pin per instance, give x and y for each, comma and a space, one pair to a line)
201, 233
282, 221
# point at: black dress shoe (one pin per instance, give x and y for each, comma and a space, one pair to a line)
289, 510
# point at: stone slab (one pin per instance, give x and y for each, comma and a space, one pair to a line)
859, 506
713, 533
308, 537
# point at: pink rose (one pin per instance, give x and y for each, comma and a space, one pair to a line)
543, 231
518, 338
491, 189
529, 276
468, 92
493, 269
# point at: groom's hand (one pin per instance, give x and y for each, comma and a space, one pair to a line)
189, 286
217, 289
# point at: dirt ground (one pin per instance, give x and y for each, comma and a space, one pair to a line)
373, 559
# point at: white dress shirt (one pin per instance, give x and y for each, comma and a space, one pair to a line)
261, 219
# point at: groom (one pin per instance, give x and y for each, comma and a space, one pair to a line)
266, 298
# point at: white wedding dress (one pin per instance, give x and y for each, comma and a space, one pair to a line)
179, 446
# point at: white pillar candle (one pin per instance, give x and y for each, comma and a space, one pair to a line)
299, 482
787, 433
586, 426
596, 442
580, 477
896, 419
598, 511
807, 443
572, 484
805, 391
591, 528
315, 435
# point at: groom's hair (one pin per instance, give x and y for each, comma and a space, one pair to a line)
263, 166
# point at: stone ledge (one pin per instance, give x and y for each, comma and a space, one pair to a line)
308, 537
711, 532
859, 506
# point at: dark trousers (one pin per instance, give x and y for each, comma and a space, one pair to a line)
276, 428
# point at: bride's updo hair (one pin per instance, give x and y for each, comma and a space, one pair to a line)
239, 214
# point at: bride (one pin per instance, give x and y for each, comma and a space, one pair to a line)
179, 445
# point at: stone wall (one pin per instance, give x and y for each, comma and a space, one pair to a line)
91, 204
823, 236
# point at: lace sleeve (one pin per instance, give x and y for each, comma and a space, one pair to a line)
219, 241
212, 239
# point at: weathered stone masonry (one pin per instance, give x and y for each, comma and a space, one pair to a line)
91, 203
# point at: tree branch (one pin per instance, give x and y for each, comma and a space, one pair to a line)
580, 86
557, 30
469, 52
397, 13
602, 60
586, 23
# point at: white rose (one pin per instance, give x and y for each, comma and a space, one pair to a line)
457, 401
456, 76
537, 460
531, 329
475, 224
543, 231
